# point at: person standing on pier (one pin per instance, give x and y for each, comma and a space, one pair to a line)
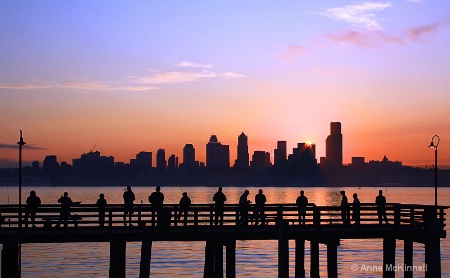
128, 199
244, 205
185, 203
33, 202
302, 202
380, 200
101, 204
356, 209
157, 200
345, 212
260, 200
219, 199
64, 214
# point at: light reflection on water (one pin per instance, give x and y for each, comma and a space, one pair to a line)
253, 258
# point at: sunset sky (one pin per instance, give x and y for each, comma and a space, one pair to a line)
131, 76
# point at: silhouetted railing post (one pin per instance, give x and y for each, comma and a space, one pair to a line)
397, 215
196, 217
211, 215
316, 217
110, 218
139, 208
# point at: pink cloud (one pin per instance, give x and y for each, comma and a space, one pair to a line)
420, 32
362, 39
294, 51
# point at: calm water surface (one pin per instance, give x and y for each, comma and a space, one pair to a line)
253, 258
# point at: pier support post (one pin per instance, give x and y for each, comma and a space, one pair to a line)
208, 271
117, 253
314, 270
10, 260
389, 257
283, 249
146, 255
332, 263
433, 247
231, 258
218, 259
408, 258
299, 258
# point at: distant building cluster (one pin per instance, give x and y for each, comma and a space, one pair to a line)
300, 166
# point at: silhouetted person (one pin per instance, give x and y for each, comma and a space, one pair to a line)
302, 202
356, 209
381, 207
64, 214
101, 204
156, 199
128, 199
219, 200
345, 211
244, 205
33, 202
260, 200
185, 203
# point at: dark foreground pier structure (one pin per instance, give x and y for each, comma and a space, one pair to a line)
409, 223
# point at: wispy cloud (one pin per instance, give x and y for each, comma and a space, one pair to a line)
294, 51
362, 39
176, 77
29, 147
421, 32
76, 85
193, 65
361, 15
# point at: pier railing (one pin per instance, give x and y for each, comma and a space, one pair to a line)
87, 215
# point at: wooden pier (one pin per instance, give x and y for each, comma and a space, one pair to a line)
323, 225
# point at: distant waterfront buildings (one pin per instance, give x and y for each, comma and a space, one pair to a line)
333, 146
242, 161
161, 164
298, 167
217, 155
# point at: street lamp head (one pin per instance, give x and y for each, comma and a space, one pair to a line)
434, 145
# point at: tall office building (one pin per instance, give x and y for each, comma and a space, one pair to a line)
143, 161
189, 154
217, 155
242, 161
172, 164
334, 145
280, 154
161, 165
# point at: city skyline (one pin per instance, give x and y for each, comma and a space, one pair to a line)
149, 75
219, 157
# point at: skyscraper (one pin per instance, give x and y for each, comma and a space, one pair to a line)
334, 145
217, 155
280, 158
242, 161
161, 161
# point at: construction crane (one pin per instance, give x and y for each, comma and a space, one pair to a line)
93, 147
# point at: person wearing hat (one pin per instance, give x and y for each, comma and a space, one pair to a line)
345, 212
356, 209
302, 202
185, 202
219, 199
156, 199
244, 205
33, 202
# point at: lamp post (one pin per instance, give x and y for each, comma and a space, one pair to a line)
434, 144
21, 143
